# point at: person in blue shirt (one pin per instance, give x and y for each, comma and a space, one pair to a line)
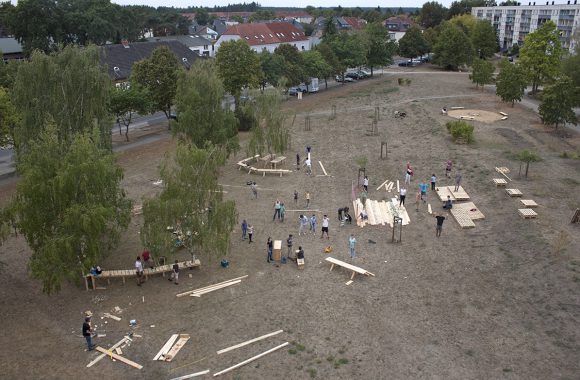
423, 186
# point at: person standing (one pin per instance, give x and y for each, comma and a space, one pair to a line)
440, 218
325, 224
250, 233
351, 246
458, 178
448, 167
417, 200
295, 197
313, 222
289, 243
433, 182
308, 165
282, 212
244, 229
254, 190
270, 245
307, 196
402, 196
139, 269
88, 333
303, 224
423, 190
408, 173
297, 161
276, 210
175, 273
366, 183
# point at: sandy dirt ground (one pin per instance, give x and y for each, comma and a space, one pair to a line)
500, 300
477, 115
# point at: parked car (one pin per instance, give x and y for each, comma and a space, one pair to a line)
293, 91
408, 63
352, 75
343, 79
364, 74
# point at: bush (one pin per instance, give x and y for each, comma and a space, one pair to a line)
401, 81
246, 118
408, 81
460, 131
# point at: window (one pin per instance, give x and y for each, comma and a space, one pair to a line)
302, 47
204, 47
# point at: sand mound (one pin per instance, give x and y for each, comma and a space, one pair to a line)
478, 115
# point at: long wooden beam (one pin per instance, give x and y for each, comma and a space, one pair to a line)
191, 375
166, 347
119, 358
98, 358
249, 342
219, 283
200, 293
382, 184
251, 359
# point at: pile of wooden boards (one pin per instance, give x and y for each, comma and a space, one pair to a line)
115, 353
380, 212
207, 289
172, 347
388, 185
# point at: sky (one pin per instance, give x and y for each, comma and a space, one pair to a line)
284, 3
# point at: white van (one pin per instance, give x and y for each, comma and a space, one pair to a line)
313, 87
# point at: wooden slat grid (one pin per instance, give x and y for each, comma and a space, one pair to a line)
467, 209
527, 213
514, 192
529, 203
462, 218
499, 182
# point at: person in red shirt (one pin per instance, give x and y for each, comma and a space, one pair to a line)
146, 256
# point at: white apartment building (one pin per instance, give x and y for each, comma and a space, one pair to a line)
513, 23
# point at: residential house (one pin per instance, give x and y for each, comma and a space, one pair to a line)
199, 45
120, 58
355, 22
11, 49
266, 36
207, 32
343, 24
398, 26
301, 17
225, 16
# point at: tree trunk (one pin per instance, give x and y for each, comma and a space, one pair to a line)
372, 71
527, 167
119, 124
325, 84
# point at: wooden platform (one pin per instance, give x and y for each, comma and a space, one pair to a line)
380, 212
462, 218
348, 266
527, 213
500, 182
529, 203
467, 209
444, 191
513, 192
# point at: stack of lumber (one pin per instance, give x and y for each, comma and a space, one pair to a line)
503, 171
380, 212
171, 347
207, 289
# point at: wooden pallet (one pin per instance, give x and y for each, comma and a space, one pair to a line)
514, 192
467, 209
459, 195
527, 213
500, 182
503, 171
529, 203
462, 218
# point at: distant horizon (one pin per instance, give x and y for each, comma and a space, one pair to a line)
283, 4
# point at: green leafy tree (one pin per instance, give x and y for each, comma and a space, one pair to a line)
484, 39
125, 102
272, 68
202, 16
192, 201
262, 15
464, 6
570, 66
8, 73
70, 87
315, 66
510, 82
158, 75
453, 48
540, 54
558, 102
329, 29
466, 23
69, 206
270, 134
237, 19
9, 119
202, 118
331, 59
380, 48
308, 29
350, 50
293, 64
527, 157
238, 67
482, 72
432, 14
413, 44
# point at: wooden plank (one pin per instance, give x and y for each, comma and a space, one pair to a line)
383, 184
219, 283
370, 213
208, 290
251, 359
503, 171
98, 358
248, 342
457, 108
166, 346
503, 113
527, 213
529, 203
398, 189
349, 266
111, 316
119, 358
169, 356
429, 210
192, 375
321, 166
118, 351
504, 118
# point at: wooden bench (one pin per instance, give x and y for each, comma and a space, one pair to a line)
108, 274
244, 163
277, 160
267, 158
270, 171
348, 266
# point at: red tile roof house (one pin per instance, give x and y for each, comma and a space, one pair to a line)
266, 36
355, 22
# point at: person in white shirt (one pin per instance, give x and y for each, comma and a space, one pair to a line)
308, 165
139, 269
402, 196
325, 224
366, 183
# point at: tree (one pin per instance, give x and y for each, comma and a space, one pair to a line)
331, 59
69, 205
158, 75
308, 29
484, 39
9, 119
201, 16
510, 82
261, 15
453, 48
413, 44
570, 66
202, 118
293, 64
466, 22
558, 102
482, 73
191, 201
329, 28
70, 87
540, 55
380, 48
272, 68
125, 102
527, 157
464, 6
270, 134
315, 66
432, 14
350, 50
238, 67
